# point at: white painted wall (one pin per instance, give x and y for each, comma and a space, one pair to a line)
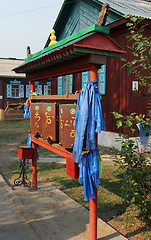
109, 139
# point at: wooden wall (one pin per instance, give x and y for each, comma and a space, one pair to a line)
1, 94
3, 90
80, 15
119, 95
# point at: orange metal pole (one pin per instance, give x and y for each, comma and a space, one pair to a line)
34, 167
93, 202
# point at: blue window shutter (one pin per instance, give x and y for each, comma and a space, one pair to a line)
39, 89
21, 90
60, 85
85, 78
9, 90
70, 83
102, 80
27, 91
45, 89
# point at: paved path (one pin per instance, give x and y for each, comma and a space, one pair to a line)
46, 214
13, 225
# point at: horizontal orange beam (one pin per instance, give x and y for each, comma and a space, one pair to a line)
56, 148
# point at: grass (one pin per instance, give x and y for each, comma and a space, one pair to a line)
10, 130
112, 206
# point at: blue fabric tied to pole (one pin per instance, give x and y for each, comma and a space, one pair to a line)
26, 107
26, 110
89, 173
27, 115
89, 120
30, 145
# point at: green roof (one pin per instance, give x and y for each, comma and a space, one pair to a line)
70, 40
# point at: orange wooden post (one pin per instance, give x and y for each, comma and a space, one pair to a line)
32, 86
34, 167
34, 159
93, 202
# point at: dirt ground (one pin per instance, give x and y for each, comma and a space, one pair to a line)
8, 151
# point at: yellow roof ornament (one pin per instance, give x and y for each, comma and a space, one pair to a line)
52, 37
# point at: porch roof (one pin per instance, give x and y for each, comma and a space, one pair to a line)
92, 40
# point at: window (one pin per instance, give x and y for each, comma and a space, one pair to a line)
65, 84
101, 79
49, 90
38, 88
15, 90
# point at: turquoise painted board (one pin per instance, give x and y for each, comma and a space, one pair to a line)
21, 90
39, 89
102, 80
60, 85
27, 91
70, 83
9, 90
72, 23
83, 13
45, 89
85, 78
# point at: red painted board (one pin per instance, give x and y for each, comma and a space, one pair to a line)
36, 111
67, 113
24, 152
49, 121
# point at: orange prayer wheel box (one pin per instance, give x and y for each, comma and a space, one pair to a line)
49, 121
36, 112
67, 114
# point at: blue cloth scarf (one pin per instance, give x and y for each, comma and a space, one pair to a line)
89, 173
89, 120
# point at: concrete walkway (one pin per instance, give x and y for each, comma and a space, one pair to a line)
46, 214
13, 225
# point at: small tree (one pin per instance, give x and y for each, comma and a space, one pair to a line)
137, 169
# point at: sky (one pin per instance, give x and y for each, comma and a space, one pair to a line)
26, 23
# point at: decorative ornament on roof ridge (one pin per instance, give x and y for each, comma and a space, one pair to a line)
52, 38
103, 14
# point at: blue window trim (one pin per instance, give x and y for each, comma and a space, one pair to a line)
70, 83
27, 90
85, 78
60, 84
9, 89
102, 80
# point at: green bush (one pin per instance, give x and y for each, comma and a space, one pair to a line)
136, 176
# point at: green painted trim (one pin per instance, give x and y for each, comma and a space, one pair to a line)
100, 52
48, 103
37, 103
91, 29
69, 105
